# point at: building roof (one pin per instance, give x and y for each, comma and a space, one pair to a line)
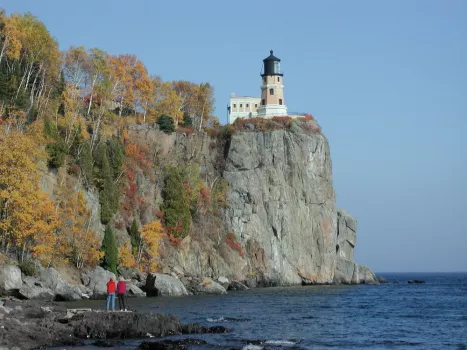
271, 57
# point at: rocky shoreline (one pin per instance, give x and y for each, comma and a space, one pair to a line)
34, 324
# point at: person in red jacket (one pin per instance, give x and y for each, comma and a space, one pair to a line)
121, 290
111, 293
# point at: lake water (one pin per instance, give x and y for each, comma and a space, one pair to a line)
387, 316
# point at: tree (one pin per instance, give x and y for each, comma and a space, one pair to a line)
110, 250
85, 161
176, 208
166, 124
187, 120
134, 234
148, 248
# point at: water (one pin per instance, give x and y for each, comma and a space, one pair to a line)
386, 316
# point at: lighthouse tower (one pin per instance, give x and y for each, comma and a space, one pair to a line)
272, 89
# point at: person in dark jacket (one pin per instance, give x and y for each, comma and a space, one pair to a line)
111, 293
121, 290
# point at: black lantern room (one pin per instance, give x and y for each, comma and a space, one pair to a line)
272, 65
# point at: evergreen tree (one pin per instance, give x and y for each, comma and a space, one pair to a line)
187, 120
115, 153
176, 208
110, 249
166, 123
85, 161
134, 234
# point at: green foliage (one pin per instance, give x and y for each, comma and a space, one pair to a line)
85, 162
110, 249
166, 123
134, 234
176, 208
187, 120
115, 154
108, 195
57, 153
27, 267
191, 176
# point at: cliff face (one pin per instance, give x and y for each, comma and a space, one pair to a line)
281, 208
282, 205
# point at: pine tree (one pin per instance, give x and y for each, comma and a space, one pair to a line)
134, 234
176, 208
166, 123
110, 250
85, 161
115, 154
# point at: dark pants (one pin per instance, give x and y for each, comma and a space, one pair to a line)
121, 301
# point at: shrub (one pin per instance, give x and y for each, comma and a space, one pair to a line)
232, 242
166, 123
28, 268
182, 130
109, 247
284, 121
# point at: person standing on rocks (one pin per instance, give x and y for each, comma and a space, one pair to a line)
121, 290
111, 293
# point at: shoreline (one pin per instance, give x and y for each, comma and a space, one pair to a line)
26, 324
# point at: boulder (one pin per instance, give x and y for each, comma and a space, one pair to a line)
164, 285
96, 281
134, 291
203, 286
224, 282
416, 281
63, 291
235, 285
250, 282
365, 275
32, 289
128, 273
10, 279
381, 279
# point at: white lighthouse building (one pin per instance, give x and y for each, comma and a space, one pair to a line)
271, 104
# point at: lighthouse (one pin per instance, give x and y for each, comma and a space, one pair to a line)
270, 104
272, 89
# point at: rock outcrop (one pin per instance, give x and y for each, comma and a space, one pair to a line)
347, 271
202, 286
10, 279
282, 204
164, 285
96, 281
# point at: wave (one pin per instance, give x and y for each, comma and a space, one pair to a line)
280, 342
227, 319
252, 347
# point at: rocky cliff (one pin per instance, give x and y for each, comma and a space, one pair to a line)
280, 225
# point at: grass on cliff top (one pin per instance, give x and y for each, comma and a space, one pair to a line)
307, 123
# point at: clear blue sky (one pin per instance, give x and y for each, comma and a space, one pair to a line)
386, 80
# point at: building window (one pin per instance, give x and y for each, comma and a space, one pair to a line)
280, 101
278, 79
271, 91
241, 105
247, 105
256, 105
264, 80
263, 102
235, 106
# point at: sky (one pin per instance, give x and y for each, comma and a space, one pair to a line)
387, 81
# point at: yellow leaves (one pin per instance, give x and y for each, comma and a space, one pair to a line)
125, 256
150, 236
